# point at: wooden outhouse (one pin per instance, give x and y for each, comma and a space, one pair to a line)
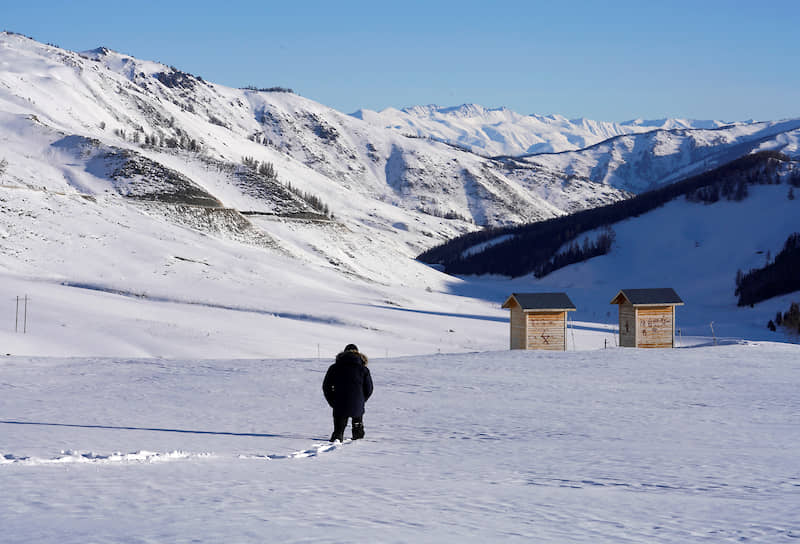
539, 320
647, 317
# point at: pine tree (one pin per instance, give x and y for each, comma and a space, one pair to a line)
267, 170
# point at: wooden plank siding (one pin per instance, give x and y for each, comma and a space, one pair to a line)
538, 320
517, 328
647, 317
547, 330
627, 325
655, 327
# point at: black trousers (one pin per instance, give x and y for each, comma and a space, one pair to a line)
340, 423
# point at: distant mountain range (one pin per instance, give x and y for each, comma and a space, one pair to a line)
501, 131
634, 156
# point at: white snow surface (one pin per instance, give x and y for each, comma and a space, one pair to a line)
696, 444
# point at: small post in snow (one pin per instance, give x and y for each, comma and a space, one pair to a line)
574, 345
714, 336
24, 315
318, 354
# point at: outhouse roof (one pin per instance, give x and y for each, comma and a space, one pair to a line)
649, 297
541, 301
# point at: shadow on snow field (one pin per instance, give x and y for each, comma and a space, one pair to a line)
156, 429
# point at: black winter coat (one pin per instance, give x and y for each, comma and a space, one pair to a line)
347, 385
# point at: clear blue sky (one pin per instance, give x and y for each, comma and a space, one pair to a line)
613, 61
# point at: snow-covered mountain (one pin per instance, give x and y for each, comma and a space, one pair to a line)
645, 161
184, 123
501, 131
146, 195
635, 155
129, 178
120, 132
697, 249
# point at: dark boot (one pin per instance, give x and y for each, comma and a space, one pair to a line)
339, 424
358, 428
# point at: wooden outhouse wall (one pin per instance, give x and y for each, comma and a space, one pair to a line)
547, 330
517, 328
655, 327
627, 325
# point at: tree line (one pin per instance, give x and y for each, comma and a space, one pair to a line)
788, 320
577, 253
276, 89
533, 245
734, 185
268, 171
779, 277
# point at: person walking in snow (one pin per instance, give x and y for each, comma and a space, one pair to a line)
347, 386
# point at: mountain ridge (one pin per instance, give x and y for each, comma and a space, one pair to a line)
502, 131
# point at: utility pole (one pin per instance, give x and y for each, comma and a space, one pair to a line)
24, 315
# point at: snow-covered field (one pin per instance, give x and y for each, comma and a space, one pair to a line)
697, 444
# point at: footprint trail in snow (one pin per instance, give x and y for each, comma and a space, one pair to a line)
78, 457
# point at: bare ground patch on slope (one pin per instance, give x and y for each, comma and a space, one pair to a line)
214, 221
138, 177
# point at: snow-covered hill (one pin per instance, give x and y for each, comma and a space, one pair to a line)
635, 155
183, 122
124, 191
693, 247
642, 162
501, 131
